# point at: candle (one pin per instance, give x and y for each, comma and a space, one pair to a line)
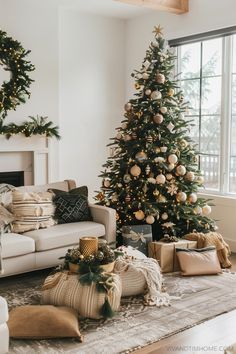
88, 245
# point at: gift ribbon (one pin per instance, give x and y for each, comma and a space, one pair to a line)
135, 236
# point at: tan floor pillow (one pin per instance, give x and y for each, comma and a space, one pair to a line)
43, 322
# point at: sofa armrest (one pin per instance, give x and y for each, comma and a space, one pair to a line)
107, 217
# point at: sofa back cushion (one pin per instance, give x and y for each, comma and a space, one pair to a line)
63, 185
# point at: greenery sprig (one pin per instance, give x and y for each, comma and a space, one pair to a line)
13, 59
35, 126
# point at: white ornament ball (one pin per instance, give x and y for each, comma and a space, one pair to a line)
190, 176
160, 179
181, 170
135, 171
145, 76
156, 95
148, 92
172, 158
171, 166
164, 216
158, 118
200, 180
128, 106
192, 198
181, 197
206, 210
139, 215
163, 110
150, 219
169, 176
155, 44
198, 210
160, 78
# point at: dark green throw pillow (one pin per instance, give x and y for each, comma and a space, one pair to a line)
71, 206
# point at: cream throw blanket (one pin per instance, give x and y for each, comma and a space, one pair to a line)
150, 269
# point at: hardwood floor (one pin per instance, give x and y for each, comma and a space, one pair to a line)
208, 338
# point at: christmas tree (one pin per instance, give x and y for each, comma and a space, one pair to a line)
153, 175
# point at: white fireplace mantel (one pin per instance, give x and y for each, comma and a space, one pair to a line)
36, 146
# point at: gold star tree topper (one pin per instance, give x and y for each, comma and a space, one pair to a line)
158, 31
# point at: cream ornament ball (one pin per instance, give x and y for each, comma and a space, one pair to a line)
156, 95
169, 176
139, 215
141, 156
150, 219
171, 166
148, 92
190, 176
128, 106
145, 76
181, 197
135, 171
163, 110
181, 170
200, 180
198, 210
206, 210
172, 158
164, 216
118, 136
160, 78
160, 179
192, 198
106, 183
158, 118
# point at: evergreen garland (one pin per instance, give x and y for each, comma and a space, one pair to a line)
35, 126
12, 58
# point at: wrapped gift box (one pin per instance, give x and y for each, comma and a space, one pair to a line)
137, 236
165, 253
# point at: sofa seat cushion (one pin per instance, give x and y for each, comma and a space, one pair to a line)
14, 245
3, 310
64, 234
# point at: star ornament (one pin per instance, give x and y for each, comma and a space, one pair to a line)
158, 31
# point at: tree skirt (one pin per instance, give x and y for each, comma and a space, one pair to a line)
198, 299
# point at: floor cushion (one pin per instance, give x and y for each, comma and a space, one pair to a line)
64, 234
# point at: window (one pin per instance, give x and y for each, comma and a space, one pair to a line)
207, 75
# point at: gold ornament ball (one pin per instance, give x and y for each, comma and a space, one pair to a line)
192, 198
190, 176
158, 118
135, 171
160, 78
124, 125
206, 210
171, 92
127, 178
156, 193
172, 159
145, 76
169, 176
139, 215
181, 170
150, 219
141, 156
157, 150
161, 199
183, 143
128, 106
163, 110
181, 197
118, 136
164, 216
117, 216
148, 92
156, 95
160, 179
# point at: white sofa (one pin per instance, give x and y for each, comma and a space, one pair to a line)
41, 248
4, 332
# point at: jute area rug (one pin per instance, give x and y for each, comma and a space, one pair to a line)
199, 299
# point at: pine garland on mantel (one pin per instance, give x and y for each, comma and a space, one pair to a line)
35, 126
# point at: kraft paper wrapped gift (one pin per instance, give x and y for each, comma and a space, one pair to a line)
165, 253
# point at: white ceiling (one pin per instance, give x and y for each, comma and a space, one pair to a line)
109, 8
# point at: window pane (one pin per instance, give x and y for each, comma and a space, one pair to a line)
232, 175
210, 135
194, 129
234, 53
234, 94
190, 60
210, 169
212, 57
211, 95
233, 136
191, 90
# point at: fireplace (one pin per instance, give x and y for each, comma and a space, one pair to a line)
15, 178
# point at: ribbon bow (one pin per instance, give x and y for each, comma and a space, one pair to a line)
135, 236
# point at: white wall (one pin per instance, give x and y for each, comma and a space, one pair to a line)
35, 24
91, 92
204, 15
